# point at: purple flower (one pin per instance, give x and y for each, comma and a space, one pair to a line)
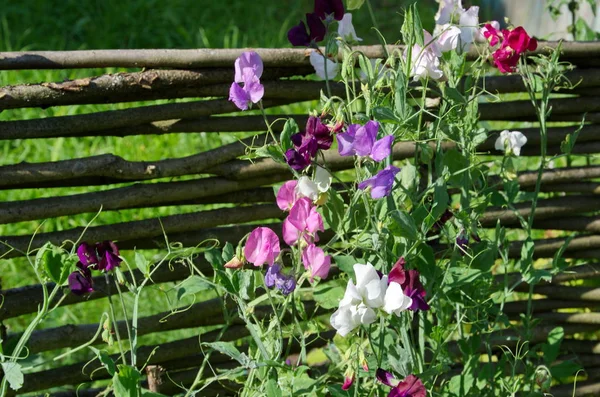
381, 184
87, 254
385, 377
275, 278
361, 141
296, 160
251, 92
324, 8
248, 60
410, 283
316, 129
108, 254
80, 281
463, 242
300, 37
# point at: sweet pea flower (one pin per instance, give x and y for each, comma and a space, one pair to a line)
303, 220
248, 60
348, 378
315, 136
319, 62
298, 161
411, 285
425, 62
87, 254
251, 92
411, 386
469, 26
514, 43
361, 141
298, 36
275, 278
315, 260
396, 301
491, 32
80, 281
262, 247
287, 195
108, 255
381, 184
313, 189
510, 142
447, 10
326, 9
346, 29
448, 38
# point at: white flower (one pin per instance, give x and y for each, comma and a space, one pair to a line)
469, 26
448, 9
346, 29
360, 300
318, 62
395, 299
512, 140
448, 37
425, 64
312, 189
323, 179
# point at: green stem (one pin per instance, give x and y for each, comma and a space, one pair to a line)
114, 318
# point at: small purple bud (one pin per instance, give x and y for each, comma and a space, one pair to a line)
385, 377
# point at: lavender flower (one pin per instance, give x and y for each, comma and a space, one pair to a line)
275, 278
381, 184
248, 69
362, 141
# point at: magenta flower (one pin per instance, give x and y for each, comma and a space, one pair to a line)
515, 42
300, 37
275, 278
411, 386
325, 8
316, 261
381, 184
362, 141
411, 285
248, 60
348, 381
262, 247
287, 196
80, 281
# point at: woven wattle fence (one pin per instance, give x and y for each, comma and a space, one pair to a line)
219, 176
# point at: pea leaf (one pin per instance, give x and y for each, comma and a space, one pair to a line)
328, 295
354, 4
13, 374
126, 381
289, 129
191, 286
142, 264
54, 262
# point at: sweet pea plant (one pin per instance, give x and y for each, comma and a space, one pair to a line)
379, 280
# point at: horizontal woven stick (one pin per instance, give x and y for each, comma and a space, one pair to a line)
578, 272
578, 247
580, 389
575, 187
108, 168
555, 176
148, 228
546, 305
577, 52
570, 318
573, 223
546, 208
48, 127
129, 87
523, 109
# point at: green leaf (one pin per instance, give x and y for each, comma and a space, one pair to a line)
230, 350
345, 263
272, 388
272, 152
564, 369
551, 349
385, 115
366, 67
105, 359
228, 252
244, 280
13, 374
333, 212
328, 295
454, 96
126, 381
402, 224
142, 264
215, 258
289, 129
401, 107
191, 286
146, 393
459, 276
354, 4
54, 262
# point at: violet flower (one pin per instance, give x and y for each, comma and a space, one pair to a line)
362, 141
326, 8
248, 69
262, 247
80, 281
87, 254
275, 278
298, 36
298, 161
381, 184
411, 285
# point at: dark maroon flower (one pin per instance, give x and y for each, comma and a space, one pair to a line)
296, 160
87, 254
80, 281
411, 285
462, 241
319, 131
385, 377
108, 253
300, 37
323, 8
411, 386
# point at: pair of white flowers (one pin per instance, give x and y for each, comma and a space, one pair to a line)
361, 301
312, 189
320, 63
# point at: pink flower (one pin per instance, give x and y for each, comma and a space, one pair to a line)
348, 381
304, 220
316, 261
262, 247
286, 196
491, 32
411, 386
